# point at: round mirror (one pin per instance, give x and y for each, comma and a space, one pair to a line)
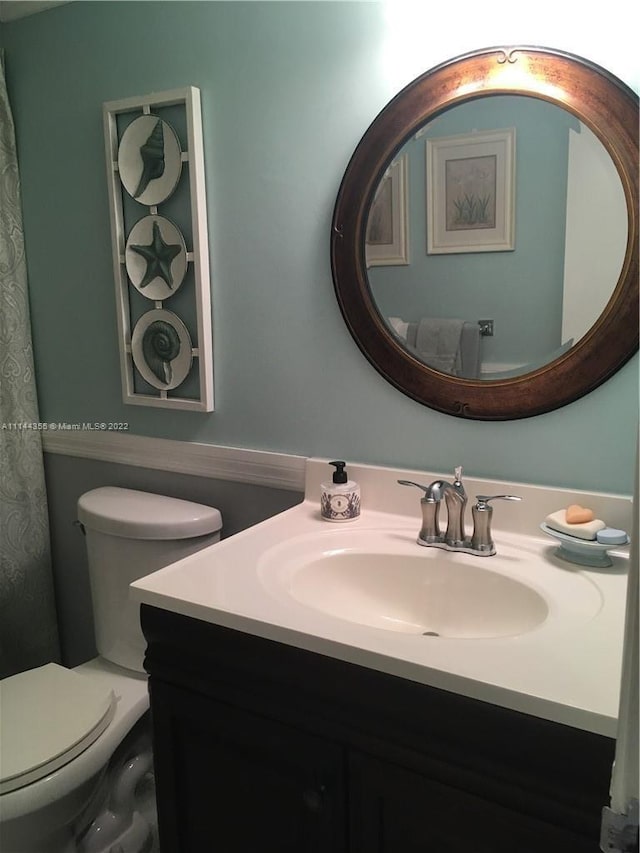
484, 242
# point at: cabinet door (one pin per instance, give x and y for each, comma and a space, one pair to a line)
229, 781
394, 810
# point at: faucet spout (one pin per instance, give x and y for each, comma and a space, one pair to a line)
455, 499
435, 491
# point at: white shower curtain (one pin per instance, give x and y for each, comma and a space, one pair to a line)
28, 627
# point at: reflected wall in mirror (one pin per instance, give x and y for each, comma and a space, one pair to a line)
544, 295
562, 298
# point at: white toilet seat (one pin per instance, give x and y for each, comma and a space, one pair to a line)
49, 716
43, 811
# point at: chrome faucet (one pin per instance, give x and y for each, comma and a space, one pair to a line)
480, 543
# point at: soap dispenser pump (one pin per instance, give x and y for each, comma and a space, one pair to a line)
340, 498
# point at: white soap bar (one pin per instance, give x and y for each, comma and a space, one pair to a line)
583, 530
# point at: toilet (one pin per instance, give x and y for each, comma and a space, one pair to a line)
76, 765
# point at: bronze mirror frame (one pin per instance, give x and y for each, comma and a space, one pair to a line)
598, 99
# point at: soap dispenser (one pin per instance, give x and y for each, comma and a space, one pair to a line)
340, 498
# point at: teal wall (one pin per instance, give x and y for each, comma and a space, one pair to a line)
287, 89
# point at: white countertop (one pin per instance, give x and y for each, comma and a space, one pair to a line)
566, 670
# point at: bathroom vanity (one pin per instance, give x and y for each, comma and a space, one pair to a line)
282, 723
262, 746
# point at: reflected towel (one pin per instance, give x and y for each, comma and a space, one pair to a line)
470, 351
399, 327
438, 343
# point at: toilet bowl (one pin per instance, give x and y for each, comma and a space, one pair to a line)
76, 765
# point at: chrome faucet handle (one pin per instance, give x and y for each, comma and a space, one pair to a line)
459, 488
483, 500
425, 489
481, 541
430, 530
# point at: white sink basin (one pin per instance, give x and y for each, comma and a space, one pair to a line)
414, 595
385, 580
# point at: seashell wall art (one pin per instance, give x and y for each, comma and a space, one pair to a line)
155, 171
161, 348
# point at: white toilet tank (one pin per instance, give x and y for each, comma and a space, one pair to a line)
130, 534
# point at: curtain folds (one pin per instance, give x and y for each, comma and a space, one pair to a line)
28, 626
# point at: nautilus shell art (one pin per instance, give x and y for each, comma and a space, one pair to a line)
161, 349
160, 346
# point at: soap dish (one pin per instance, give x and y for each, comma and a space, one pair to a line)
584, 552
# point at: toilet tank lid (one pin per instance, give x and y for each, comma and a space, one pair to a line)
145, 515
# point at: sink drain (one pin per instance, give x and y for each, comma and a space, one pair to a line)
430, 634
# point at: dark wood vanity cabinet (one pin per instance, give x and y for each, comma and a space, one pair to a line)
266, 748
231, 780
